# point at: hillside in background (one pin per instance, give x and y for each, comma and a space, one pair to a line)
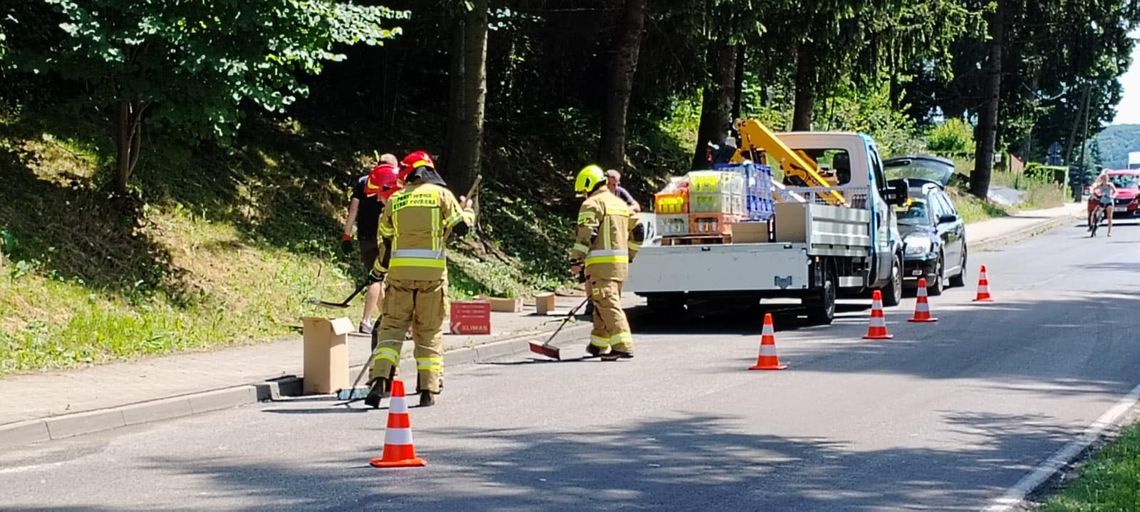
1116, 141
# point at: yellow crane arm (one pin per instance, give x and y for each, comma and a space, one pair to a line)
754, 135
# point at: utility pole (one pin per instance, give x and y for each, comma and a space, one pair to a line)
1084, 143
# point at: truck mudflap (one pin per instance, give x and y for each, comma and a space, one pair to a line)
720, 268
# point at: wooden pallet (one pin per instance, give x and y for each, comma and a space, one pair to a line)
696, 240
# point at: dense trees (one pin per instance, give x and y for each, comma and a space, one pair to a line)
607, 71
189, 67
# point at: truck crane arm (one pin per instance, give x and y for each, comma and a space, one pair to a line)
755, 136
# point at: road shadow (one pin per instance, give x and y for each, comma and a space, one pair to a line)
662, 464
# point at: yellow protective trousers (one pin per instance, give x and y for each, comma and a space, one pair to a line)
611, 328
421, 305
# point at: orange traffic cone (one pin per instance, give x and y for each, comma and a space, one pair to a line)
768, 360
878, 328
983, 287
399, 451
922, 307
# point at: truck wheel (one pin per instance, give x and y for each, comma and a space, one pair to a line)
821, 310
892, 293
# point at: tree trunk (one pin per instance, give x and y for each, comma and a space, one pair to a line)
988, 117
716, 103
805, 88
622, 67
738, 82
468, 97
128, 142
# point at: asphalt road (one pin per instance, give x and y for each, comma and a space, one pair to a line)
943, 417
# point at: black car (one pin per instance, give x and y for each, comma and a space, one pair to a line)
933, 233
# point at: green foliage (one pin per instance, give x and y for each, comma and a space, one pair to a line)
189, 66
1110, 481
951, 136
869, 111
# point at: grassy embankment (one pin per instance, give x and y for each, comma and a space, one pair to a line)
222, 246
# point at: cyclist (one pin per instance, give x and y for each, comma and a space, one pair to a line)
1105, 194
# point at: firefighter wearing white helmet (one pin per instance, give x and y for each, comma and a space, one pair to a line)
606, 239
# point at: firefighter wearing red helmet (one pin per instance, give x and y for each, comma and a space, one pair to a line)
414, 226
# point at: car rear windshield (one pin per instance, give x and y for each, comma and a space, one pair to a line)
917, 168
914, 213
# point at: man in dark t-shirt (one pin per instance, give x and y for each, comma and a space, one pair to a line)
364, 211
613, 181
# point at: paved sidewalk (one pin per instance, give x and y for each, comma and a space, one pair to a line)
38, 407
27, 397
1025, 224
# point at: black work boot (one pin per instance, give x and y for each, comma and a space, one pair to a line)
594, 350
427, 398
614, 355
378, 390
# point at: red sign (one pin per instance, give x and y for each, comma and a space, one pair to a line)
471, 317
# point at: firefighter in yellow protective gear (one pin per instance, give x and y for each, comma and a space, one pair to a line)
415, 226
606, 239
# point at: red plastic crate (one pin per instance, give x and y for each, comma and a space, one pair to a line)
470, 317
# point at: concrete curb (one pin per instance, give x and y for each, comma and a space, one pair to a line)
70, 425
1022, 235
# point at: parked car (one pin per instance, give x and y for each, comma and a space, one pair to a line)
1127, 190
1127, 182
934, 234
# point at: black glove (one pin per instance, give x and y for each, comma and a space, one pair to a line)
346, 244
376, 276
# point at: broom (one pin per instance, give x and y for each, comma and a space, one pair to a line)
545, 348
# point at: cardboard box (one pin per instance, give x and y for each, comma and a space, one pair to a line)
791, 222
544, 303
326, 354
749, 232
503, 305
470, 317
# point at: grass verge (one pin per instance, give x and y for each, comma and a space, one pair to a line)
1110, 481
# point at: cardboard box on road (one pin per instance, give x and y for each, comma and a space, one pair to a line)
544, 303
326, 354
504, 305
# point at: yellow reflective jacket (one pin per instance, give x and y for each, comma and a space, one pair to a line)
417, 220
602, 236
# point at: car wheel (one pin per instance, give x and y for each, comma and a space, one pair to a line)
935, 288
960, 279
892, 294
821, 310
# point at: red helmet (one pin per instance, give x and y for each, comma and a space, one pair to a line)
382, 181
413, 161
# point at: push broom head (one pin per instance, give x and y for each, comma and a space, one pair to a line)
545, 350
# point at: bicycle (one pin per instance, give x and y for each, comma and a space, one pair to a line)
1097, 217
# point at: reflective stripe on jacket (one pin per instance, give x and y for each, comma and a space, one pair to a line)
601, 238
417, 220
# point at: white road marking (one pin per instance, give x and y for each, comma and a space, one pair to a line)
1016, 494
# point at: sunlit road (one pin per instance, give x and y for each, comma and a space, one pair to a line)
944, 417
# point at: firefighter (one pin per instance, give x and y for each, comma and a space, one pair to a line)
606, 239
415, 226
